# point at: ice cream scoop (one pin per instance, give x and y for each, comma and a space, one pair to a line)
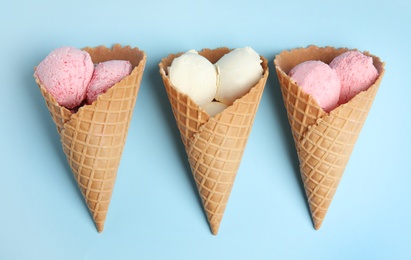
320, 81
105, 75
356, 73
239, 70
214, 108
194, 75
65, 73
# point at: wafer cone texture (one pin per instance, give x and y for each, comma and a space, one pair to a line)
324, 141
214, 145
93, 138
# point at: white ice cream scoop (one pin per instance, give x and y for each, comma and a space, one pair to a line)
239, 70
214, 108
195, 76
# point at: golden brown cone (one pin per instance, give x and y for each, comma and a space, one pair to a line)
93, 138
214, 145
324, 141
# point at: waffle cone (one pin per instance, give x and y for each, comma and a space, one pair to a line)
214, 145
324, 141
93, 138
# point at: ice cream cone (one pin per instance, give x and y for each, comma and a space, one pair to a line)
93, 138
214, 145
324, 141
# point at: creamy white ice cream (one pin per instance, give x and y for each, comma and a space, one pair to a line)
231, 77
239, 70
195, 76
214, 108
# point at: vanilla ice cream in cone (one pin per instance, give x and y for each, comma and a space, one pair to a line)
93, 137
324, 141
214, 145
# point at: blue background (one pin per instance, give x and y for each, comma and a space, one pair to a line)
155, 212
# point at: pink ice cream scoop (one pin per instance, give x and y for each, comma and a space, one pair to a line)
106, 74
66, 73
320, 81
356, 72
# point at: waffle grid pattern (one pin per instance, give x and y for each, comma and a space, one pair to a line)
325, 151
302, 110
215, 155
59, 114
188, 117
93, 141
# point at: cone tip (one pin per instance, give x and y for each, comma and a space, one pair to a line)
100, 227
317, 226
214, 229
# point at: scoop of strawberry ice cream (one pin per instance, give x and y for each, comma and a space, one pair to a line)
106, 74
320, 81
66, 73
356, 72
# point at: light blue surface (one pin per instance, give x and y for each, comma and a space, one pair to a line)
155, 212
